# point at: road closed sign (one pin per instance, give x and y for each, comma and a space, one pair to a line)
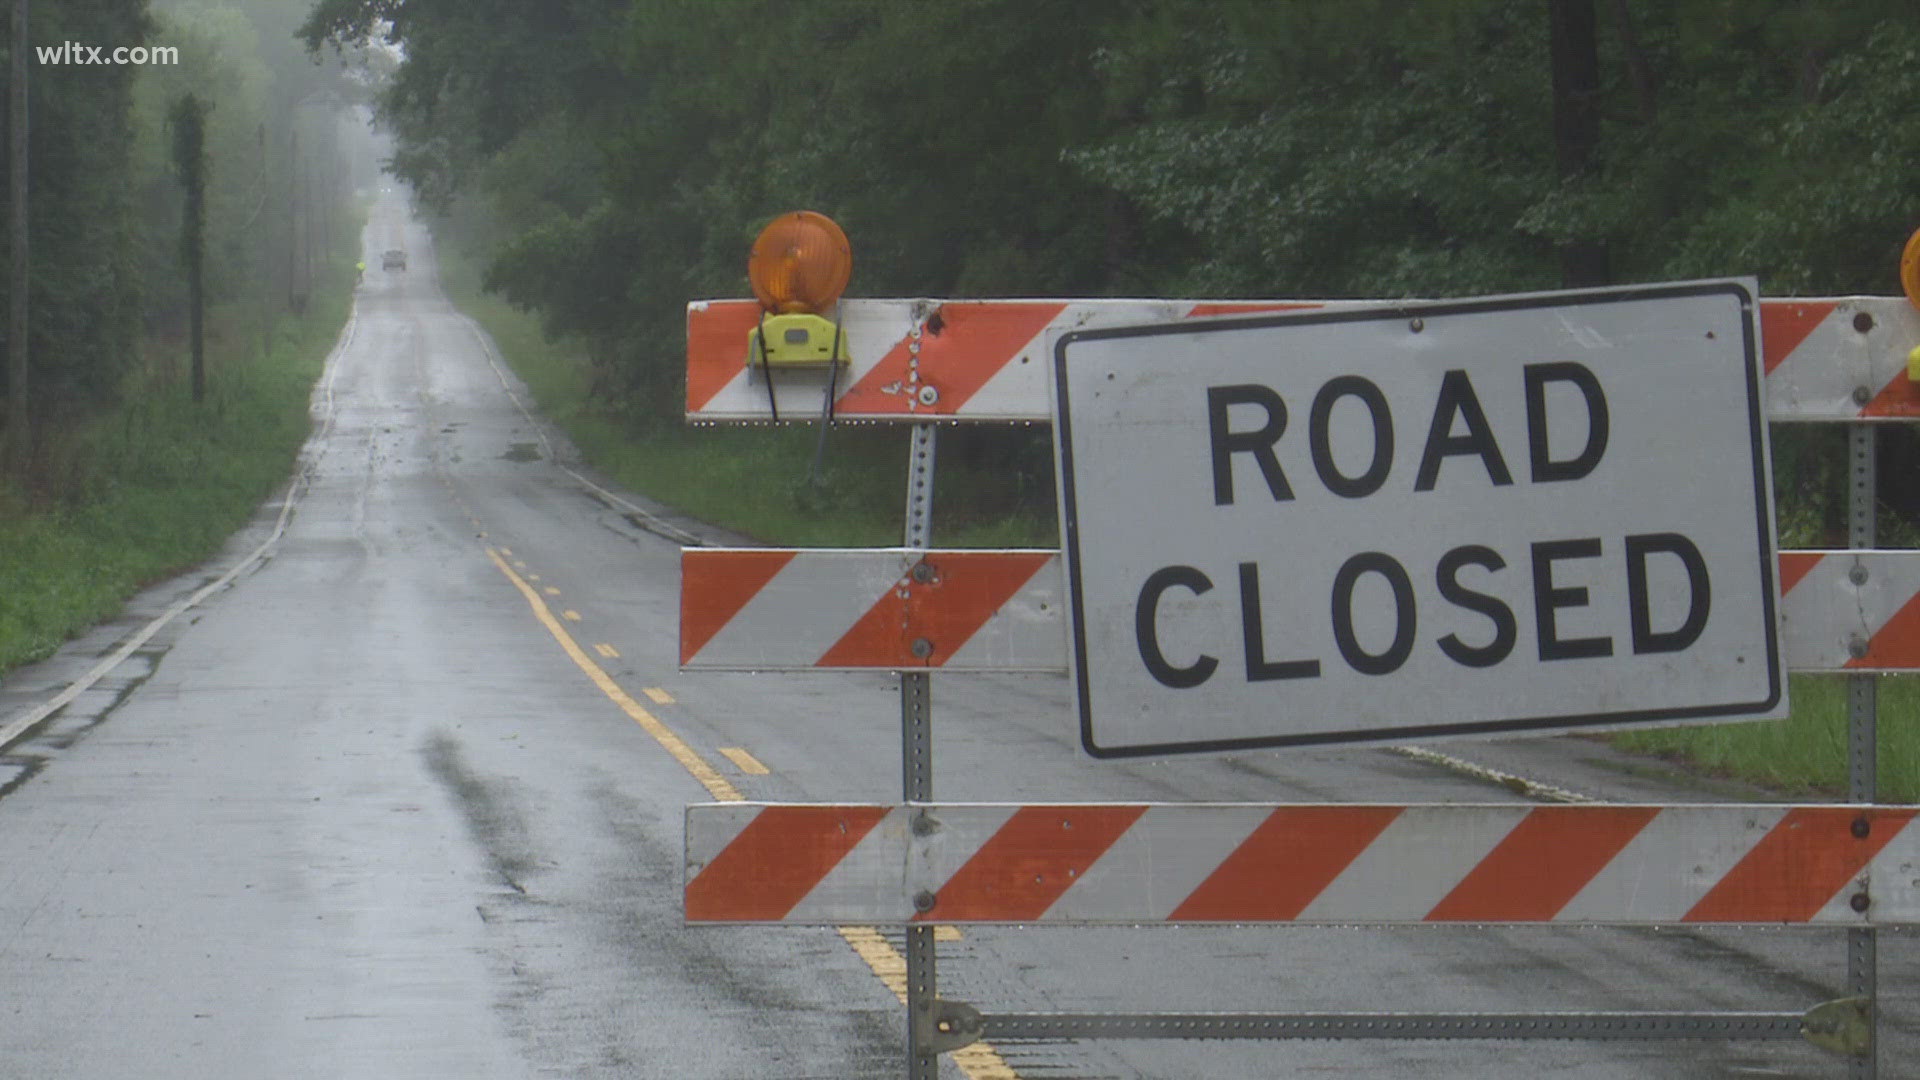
1512, 514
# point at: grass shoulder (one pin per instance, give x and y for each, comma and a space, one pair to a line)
1804, 755
152, 485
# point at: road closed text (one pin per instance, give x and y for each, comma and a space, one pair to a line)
1366, 525
1479, 628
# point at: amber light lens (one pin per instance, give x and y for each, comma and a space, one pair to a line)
801, 262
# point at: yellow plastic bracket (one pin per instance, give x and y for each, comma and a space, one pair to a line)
797, 340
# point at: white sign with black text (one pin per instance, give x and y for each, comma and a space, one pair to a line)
1512, 514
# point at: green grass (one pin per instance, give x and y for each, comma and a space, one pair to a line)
755, 480
1806, 754
154, 485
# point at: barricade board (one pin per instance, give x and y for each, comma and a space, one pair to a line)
1079, 864
1831, 359
836, 609
772, 609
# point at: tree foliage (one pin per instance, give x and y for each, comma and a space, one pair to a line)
106, 271
83, 298
188, 119
614, 157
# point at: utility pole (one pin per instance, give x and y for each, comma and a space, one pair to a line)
18, 442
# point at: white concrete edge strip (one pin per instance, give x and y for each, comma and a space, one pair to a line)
16, 728
649, 521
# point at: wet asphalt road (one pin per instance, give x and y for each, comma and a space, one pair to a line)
359, 815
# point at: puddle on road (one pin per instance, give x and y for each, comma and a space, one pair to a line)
522, 451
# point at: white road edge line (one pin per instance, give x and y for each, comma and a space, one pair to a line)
14, 729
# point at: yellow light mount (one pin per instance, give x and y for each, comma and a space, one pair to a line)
796, 340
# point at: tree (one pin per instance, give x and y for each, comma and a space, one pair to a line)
1574, 44
18, 440
615, 157
83, 286
189, 123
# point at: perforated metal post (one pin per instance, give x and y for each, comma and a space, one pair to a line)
916, 757
916, 735
1862, 742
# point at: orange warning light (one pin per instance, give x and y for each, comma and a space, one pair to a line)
800, 263
1910, 269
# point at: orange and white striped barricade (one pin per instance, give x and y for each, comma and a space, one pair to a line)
782, 609
766, 609
912, 610
1080, 864
921, 360
1833, 359
1839, 358
1851, 611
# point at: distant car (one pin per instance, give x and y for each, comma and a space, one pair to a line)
393, 259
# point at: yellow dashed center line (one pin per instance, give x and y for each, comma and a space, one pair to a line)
881, 956
709, 777
607, 651
659, 696
747, 762
570, 615
551, 591
979, 1061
